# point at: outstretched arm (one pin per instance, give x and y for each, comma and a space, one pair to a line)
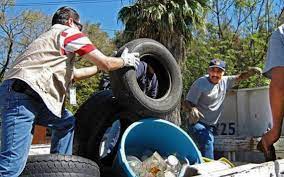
248, 73
105, 63
108, 63
84, 73
73, 41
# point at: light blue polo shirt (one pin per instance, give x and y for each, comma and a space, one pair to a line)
209, 97
275, 51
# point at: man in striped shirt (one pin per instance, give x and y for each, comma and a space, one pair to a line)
35, 87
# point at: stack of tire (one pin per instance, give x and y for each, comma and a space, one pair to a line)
126, 102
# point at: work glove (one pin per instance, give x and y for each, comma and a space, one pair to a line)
194, 115
254, 70
130, 59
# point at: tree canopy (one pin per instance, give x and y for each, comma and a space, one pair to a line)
237, 32
171, 22
17, 31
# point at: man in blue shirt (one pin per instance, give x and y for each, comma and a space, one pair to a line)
147, 79
204, 102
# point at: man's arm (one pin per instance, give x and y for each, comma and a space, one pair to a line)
194, 114
104, 62
246, 74
84, 73
190, 103
107, 63
74, 41
187, 105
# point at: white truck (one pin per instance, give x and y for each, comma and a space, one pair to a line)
246, 117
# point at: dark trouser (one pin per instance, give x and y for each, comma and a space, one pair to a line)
203, 135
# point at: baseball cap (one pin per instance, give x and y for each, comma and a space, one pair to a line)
218, 64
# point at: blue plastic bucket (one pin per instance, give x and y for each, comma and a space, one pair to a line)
154, 134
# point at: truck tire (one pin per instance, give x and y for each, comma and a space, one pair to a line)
55, 165
127, 91
93, 118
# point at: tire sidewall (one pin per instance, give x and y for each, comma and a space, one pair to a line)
126, 88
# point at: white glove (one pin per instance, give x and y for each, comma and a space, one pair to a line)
130, 59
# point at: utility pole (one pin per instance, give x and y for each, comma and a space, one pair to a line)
267, 16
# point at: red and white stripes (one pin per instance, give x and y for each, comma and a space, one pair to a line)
74, 41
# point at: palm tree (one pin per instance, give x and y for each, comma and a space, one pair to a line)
170, 22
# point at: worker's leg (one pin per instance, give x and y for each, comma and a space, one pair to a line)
203, 136
17, 113
62, 130
276, 95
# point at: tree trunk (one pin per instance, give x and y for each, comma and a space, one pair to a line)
174, 116
7, 60
176, 47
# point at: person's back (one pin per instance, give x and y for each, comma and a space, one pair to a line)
40, 66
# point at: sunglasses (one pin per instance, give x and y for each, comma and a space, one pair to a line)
79, 25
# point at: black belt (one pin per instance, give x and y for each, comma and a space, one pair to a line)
22, 87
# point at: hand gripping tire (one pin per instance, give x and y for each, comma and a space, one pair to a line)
127, 91
55, 165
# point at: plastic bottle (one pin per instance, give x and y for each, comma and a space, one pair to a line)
173, 164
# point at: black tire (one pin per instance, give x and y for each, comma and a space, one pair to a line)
93, 118
127, 90
90, 115
57, 175
110, 172
55, 165
95, 139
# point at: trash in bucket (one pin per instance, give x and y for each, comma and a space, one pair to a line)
156, 165
159, 136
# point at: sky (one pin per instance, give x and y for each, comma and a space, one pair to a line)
104, 12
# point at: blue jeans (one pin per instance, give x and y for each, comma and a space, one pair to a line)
19, 113
203, 135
